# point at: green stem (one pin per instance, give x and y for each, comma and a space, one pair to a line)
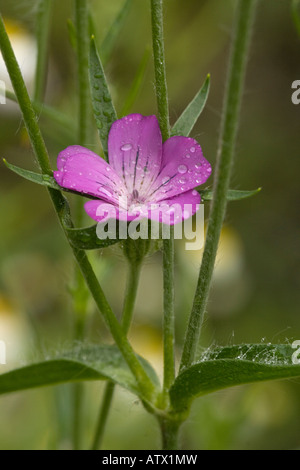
62, 210
169, 432
59, 118
130, 295
160, 67
80, 296
42, 34
233, 96
83, 44
169, 316
103, 415
168, 245
128, 309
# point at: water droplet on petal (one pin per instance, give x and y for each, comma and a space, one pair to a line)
187, 155
198, 166
182, 169
193, 149
126, 147
194, 192
182, 180
165, 180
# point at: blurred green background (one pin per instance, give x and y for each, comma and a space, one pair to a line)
255, 296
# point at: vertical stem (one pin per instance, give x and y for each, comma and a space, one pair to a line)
130, 295
82, 30
168, 245
42, 34
160, 67
61, 208
169, 316
169, 432
84, 124
233, 96
128, 309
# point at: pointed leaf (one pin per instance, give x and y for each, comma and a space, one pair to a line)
137, 83
38, 178
114, 31
189, 117
84, 363
72, 34
104, 111
221, 368
232, 195
86, 238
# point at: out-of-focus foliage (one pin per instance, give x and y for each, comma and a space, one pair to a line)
255, 296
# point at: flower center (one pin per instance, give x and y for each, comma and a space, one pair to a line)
135, 201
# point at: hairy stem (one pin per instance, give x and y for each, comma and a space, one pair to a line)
160, 67
83, 47
62, 210
169, 430
233, 96
80, 297
128, 309
168, 245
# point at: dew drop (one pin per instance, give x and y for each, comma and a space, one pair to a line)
182, 180
126, 147
182, 169
193, 149
198, 166
187, 155
194, 192
165, 180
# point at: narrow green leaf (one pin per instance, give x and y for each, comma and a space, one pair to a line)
86, 238
137, 83
56, 117
84, 363
72, 34
296, 14
38, 178
189, 117
109, 41
221, 368
232, 195
104, 111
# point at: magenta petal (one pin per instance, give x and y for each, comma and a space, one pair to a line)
81, 170
102, 210
135, 151
183, 168
175, 210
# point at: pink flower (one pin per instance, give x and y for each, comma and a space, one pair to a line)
144, 177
